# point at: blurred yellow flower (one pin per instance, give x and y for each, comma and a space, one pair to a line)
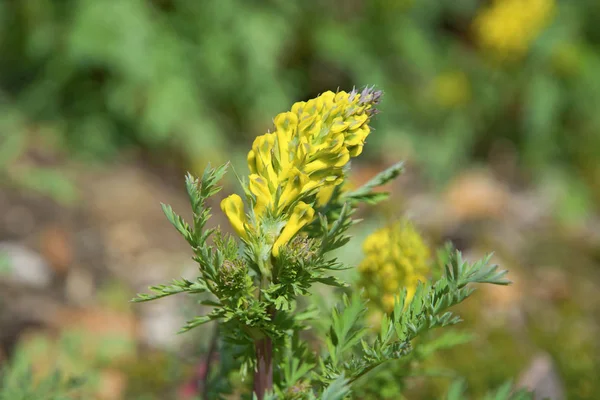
452, 89
303, 160
396, 257
508, 27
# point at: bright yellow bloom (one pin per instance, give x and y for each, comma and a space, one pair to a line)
311, 145
303, 160
301, 215
259, 186
508, 27
324, 195
396, 257
233, 207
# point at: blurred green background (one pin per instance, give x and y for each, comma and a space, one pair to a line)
97, 97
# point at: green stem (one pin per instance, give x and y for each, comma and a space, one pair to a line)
366, 370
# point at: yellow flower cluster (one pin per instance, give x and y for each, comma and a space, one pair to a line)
395, 257
508, 27
301, 162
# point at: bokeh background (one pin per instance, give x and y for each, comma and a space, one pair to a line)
493, 105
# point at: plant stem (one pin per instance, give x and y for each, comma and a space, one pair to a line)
365, 371
263, 377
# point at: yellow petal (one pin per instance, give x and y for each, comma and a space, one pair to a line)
233, 207
358, 120
263, 150
339, 125
301, 215
341, 97
260, 188
310, 126
328, 96
311, 184
316, 165
293, 188
252, 162
358, 135
298, 107
324, 195
355, 151
286, 124
286, 121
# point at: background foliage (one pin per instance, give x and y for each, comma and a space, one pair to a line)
96, 78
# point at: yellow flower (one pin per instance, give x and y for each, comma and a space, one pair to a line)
508, 27
388, 301
233, 207
396, 257
260, 188
303, 160
324, 195
301, 215
260, 159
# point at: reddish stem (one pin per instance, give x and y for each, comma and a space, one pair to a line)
263, 378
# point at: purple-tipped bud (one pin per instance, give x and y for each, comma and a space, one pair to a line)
352, 94
372, 97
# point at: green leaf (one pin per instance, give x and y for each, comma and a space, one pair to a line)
182, 286
200, 320
178, 222
427, 310
504, 391
333, 237
365, 193
345, 330
447, 340
507, 392
337, 390
331, 281
456, 391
